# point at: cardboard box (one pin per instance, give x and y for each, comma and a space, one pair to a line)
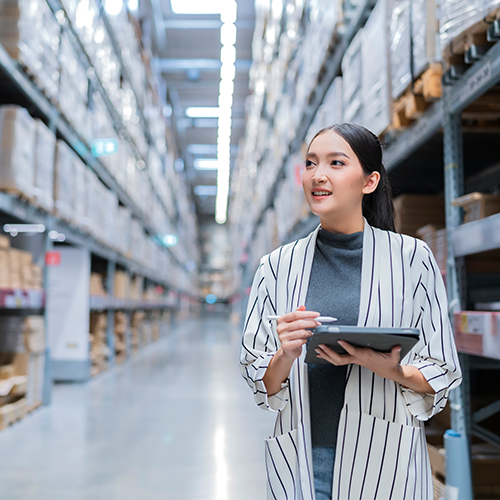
44, 166
478, 205
64, 181
17, 146
122, 285
478, 332
415, 211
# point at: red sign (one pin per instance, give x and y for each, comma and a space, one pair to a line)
53, 259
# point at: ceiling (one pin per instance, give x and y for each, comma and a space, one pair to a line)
188, 48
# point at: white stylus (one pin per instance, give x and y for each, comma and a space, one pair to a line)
320, 319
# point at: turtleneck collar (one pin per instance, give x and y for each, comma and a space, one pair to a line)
353, 241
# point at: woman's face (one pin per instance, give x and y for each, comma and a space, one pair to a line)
333, 179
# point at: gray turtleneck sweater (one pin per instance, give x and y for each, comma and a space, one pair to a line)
334, 290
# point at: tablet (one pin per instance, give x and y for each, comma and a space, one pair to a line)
378, 339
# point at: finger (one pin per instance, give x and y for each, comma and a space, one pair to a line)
296, 325
296, 315
293, 344
334, 357
396, 353
296, 334
350, 349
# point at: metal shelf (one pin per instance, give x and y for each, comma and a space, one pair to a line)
29, 214
477, 80
29, 89
330, 69
478, 236
104, 303
414, 136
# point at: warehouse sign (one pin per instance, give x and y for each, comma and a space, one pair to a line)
104, 147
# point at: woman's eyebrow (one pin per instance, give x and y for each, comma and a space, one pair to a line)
329, 155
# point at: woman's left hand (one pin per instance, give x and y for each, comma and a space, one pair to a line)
383, 364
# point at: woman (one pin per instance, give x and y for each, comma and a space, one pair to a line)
352, 428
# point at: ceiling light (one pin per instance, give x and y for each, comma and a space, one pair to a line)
170, 240
202, 112
197, 6
113, 7
206, 163
225, 101
228, 34
133, 5
226, 87
228, 54
227, 72
229, 12
24, 228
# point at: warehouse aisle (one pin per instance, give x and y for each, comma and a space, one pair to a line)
176, 423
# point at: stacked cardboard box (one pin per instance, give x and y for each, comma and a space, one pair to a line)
17, 146
30, 33
17, 269
136, 287
436, 239
155, 325
64, 187
376, 71
79, 198
352, 71
97, 284
122, 285
121, 325
478, 332
22, 366
478, 205
44, 166
98, 345
136, 327
415, 211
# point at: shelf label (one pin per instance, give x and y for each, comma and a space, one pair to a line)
104, 147
477, 80
53, 259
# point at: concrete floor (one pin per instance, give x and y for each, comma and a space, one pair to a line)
177, 422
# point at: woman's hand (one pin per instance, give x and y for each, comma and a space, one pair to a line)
383, 364
293, 331
293, 334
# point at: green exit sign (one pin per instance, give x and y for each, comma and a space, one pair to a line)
104, 147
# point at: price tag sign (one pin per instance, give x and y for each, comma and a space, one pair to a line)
53, 259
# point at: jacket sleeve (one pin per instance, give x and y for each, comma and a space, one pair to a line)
260, 343
437, 357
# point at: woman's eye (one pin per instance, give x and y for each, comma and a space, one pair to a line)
309, 163
337, 163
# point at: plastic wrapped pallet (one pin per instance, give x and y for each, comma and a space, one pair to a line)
64, 182
44, 166
424, 32
400, 47
456, 16
30, 34
110, 209
377, 102
17, 159
79, 203
352, 68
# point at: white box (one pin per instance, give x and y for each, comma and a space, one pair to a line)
44, 166
376, 72
17, 158
352, 68
64, 181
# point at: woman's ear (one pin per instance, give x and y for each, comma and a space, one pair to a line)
371, 183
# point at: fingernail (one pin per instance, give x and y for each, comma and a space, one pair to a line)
317, 351
340, 342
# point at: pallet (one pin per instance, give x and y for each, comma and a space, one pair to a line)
11, 413
471, 44
426, 89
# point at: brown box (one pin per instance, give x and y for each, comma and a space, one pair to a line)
478, 205
4, 242
122, 285
415, 211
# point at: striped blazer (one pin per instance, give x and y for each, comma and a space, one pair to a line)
381, 445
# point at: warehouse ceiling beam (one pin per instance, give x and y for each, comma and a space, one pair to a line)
181, 65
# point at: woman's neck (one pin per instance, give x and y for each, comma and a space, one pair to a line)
343, 225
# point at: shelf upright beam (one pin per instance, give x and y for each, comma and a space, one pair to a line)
455, 267
47, 376
110, 324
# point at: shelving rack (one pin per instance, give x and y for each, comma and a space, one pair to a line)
24, 90
441, 120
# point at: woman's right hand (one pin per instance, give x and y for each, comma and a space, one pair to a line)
293, 330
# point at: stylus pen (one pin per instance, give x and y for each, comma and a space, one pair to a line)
320, 319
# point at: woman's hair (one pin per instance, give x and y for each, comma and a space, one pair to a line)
378, 207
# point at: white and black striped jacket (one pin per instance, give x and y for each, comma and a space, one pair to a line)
381, 447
